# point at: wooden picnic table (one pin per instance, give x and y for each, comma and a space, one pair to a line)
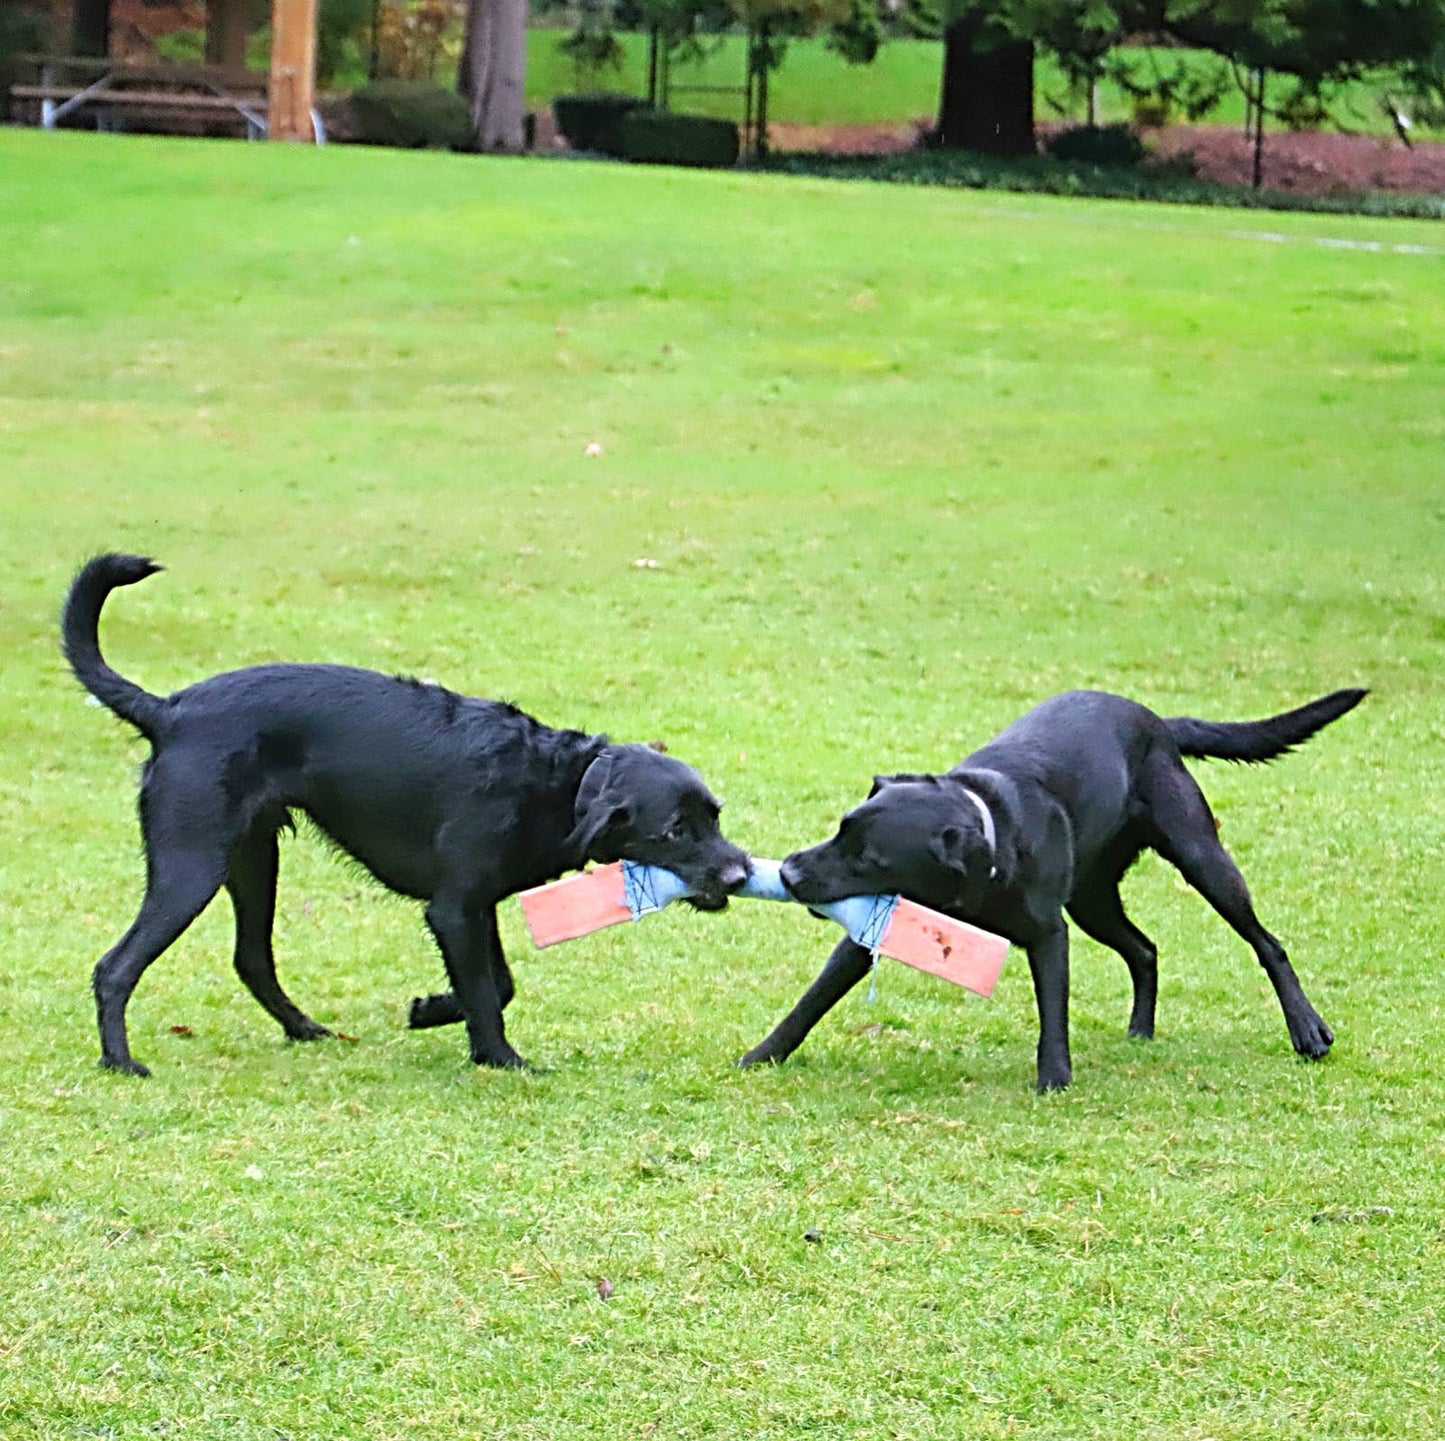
110, 88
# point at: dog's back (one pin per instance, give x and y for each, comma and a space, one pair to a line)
1082, 747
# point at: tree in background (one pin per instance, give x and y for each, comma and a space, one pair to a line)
1421, 90
492, 73
1316, 44
339, 27
90, 27
986, 100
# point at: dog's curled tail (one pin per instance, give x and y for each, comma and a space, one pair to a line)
1260, 740
80, 639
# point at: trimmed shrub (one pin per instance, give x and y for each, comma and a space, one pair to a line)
1044, 175
658, 138
594, 122
413, 114
1097, 145
1151, 113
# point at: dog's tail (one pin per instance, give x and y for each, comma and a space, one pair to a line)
80, 639
1260, 740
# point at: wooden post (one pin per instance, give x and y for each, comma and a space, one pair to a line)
293, 69
226, 33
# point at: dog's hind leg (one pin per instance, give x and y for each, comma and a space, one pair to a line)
440, 1009
443, 1009
1096, 909
848, 964
251, 882
179, 886
468, 937
1187, 838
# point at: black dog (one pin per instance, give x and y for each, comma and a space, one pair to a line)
1045, 819
454, 801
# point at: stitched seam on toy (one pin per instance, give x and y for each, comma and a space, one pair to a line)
638, 890
872, 931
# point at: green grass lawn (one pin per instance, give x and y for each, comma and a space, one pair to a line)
907, 461
814, 85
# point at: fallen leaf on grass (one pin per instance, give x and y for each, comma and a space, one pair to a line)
604, 1288
185, 1031
1342, 1214
350, 1040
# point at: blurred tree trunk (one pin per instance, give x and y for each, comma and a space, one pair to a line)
492, 72
90, 27
987, 102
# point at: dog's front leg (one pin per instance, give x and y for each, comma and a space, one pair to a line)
468, 938
1049, 964
847, 966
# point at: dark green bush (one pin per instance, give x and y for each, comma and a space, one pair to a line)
413, 114
1097, 145
593, 122
658, 138
1043, 174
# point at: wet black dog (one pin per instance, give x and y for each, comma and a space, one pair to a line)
451, 800
1045, 819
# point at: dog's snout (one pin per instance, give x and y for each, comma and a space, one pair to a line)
733, 876
790, 872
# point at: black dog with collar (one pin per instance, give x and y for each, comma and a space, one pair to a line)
451, 800
1045, 819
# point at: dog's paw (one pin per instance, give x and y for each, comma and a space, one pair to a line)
507, 1060
758, 1056
442, 1009
1311, 1037
310, 1031
1054, 1078
124, 1066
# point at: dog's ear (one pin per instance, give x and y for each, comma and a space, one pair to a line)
597, 813
598, 833
881, 783
949, 847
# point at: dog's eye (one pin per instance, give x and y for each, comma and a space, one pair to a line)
672, 833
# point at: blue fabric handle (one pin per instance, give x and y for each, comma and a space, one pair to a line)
649, 888
865, 918
766, 883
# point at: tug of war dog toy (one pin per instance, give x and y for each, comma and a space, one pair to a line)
889, 925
